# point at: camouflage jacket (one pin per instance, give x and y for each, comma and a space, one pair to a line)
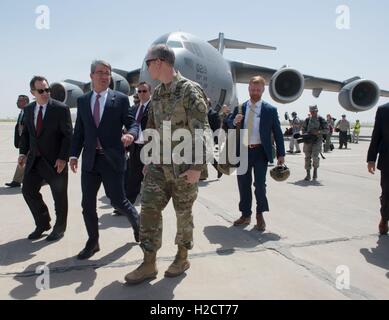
183, 104
318, 124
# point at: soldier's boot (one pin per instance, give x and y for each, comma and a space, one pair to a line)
314, 178
308, 176
147, 270
180, 264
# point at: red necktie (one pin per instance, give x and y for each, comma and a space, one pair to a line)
39, 122
96, 117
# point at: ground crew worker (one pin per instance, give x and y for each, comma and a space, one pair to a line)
344, 128
356, 131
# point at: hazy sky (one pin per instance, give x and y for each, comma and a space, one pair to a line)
304, 32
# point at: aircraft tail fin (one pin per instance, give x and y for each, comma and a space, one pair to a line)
222, 43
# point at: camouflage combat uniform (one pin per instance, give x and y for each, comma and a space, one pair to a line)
183, 103
312, 150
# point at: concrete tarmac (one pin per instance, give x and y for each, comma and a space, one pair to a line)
321, 241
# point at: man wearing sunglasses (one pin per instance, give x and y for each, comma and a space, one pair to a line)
101, 115
134, 171
44, 151
182, 104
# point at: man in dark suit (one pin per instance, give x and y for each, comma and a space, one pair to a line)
22, 102
101, 115
134, 176
44, 151
261, 121
380, 145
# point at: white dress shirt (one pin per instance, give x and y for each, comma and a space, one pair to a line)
140, 139
102, 100
255, 137
36, 111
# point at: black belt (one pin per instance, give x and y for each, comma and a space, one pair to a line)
254, 146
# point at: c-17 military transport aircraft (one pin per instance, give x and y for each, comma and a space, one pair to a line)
204, 63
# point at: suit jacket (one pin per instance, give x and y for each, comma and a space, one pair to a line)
116, 115
379, 144
17, 133
270, 125
54, 141
214, 119
145, 116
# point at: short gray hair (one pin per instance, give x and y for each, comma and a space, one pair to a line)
163, 52
95, 63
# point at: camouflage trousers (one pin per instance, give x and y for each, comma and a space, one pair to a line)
159, 185
312, 152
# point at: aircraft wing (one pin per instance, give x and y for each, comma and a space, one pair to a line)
244, 71
132, 77
236, 44
384, 93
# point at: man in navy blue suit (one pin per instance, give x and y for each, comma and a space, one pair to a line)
134, 174
101, 115
262, 124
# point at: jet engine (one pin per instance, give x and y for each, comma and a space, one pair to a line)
359, 95
286, 85
119, 83
67, 93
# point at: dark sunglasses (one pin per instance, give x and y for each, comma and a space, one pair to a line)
142, 91
149, 61
40, 91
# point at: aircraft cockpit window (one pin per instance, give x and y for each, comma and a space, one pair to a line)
161, 40
194, 48
174, 44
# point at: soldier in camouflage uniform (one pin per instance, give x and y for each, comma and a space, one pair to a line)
183, 103
314, 128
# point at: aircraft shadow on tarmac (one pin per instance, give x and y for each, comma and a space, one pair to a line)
65, 273
378, 256
5, 191
161, 290
231, 238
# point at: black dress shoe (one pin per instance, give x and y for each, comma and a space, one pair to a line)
13, 184
37, 233
55, 236
88, 252
117, 212
383, 227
